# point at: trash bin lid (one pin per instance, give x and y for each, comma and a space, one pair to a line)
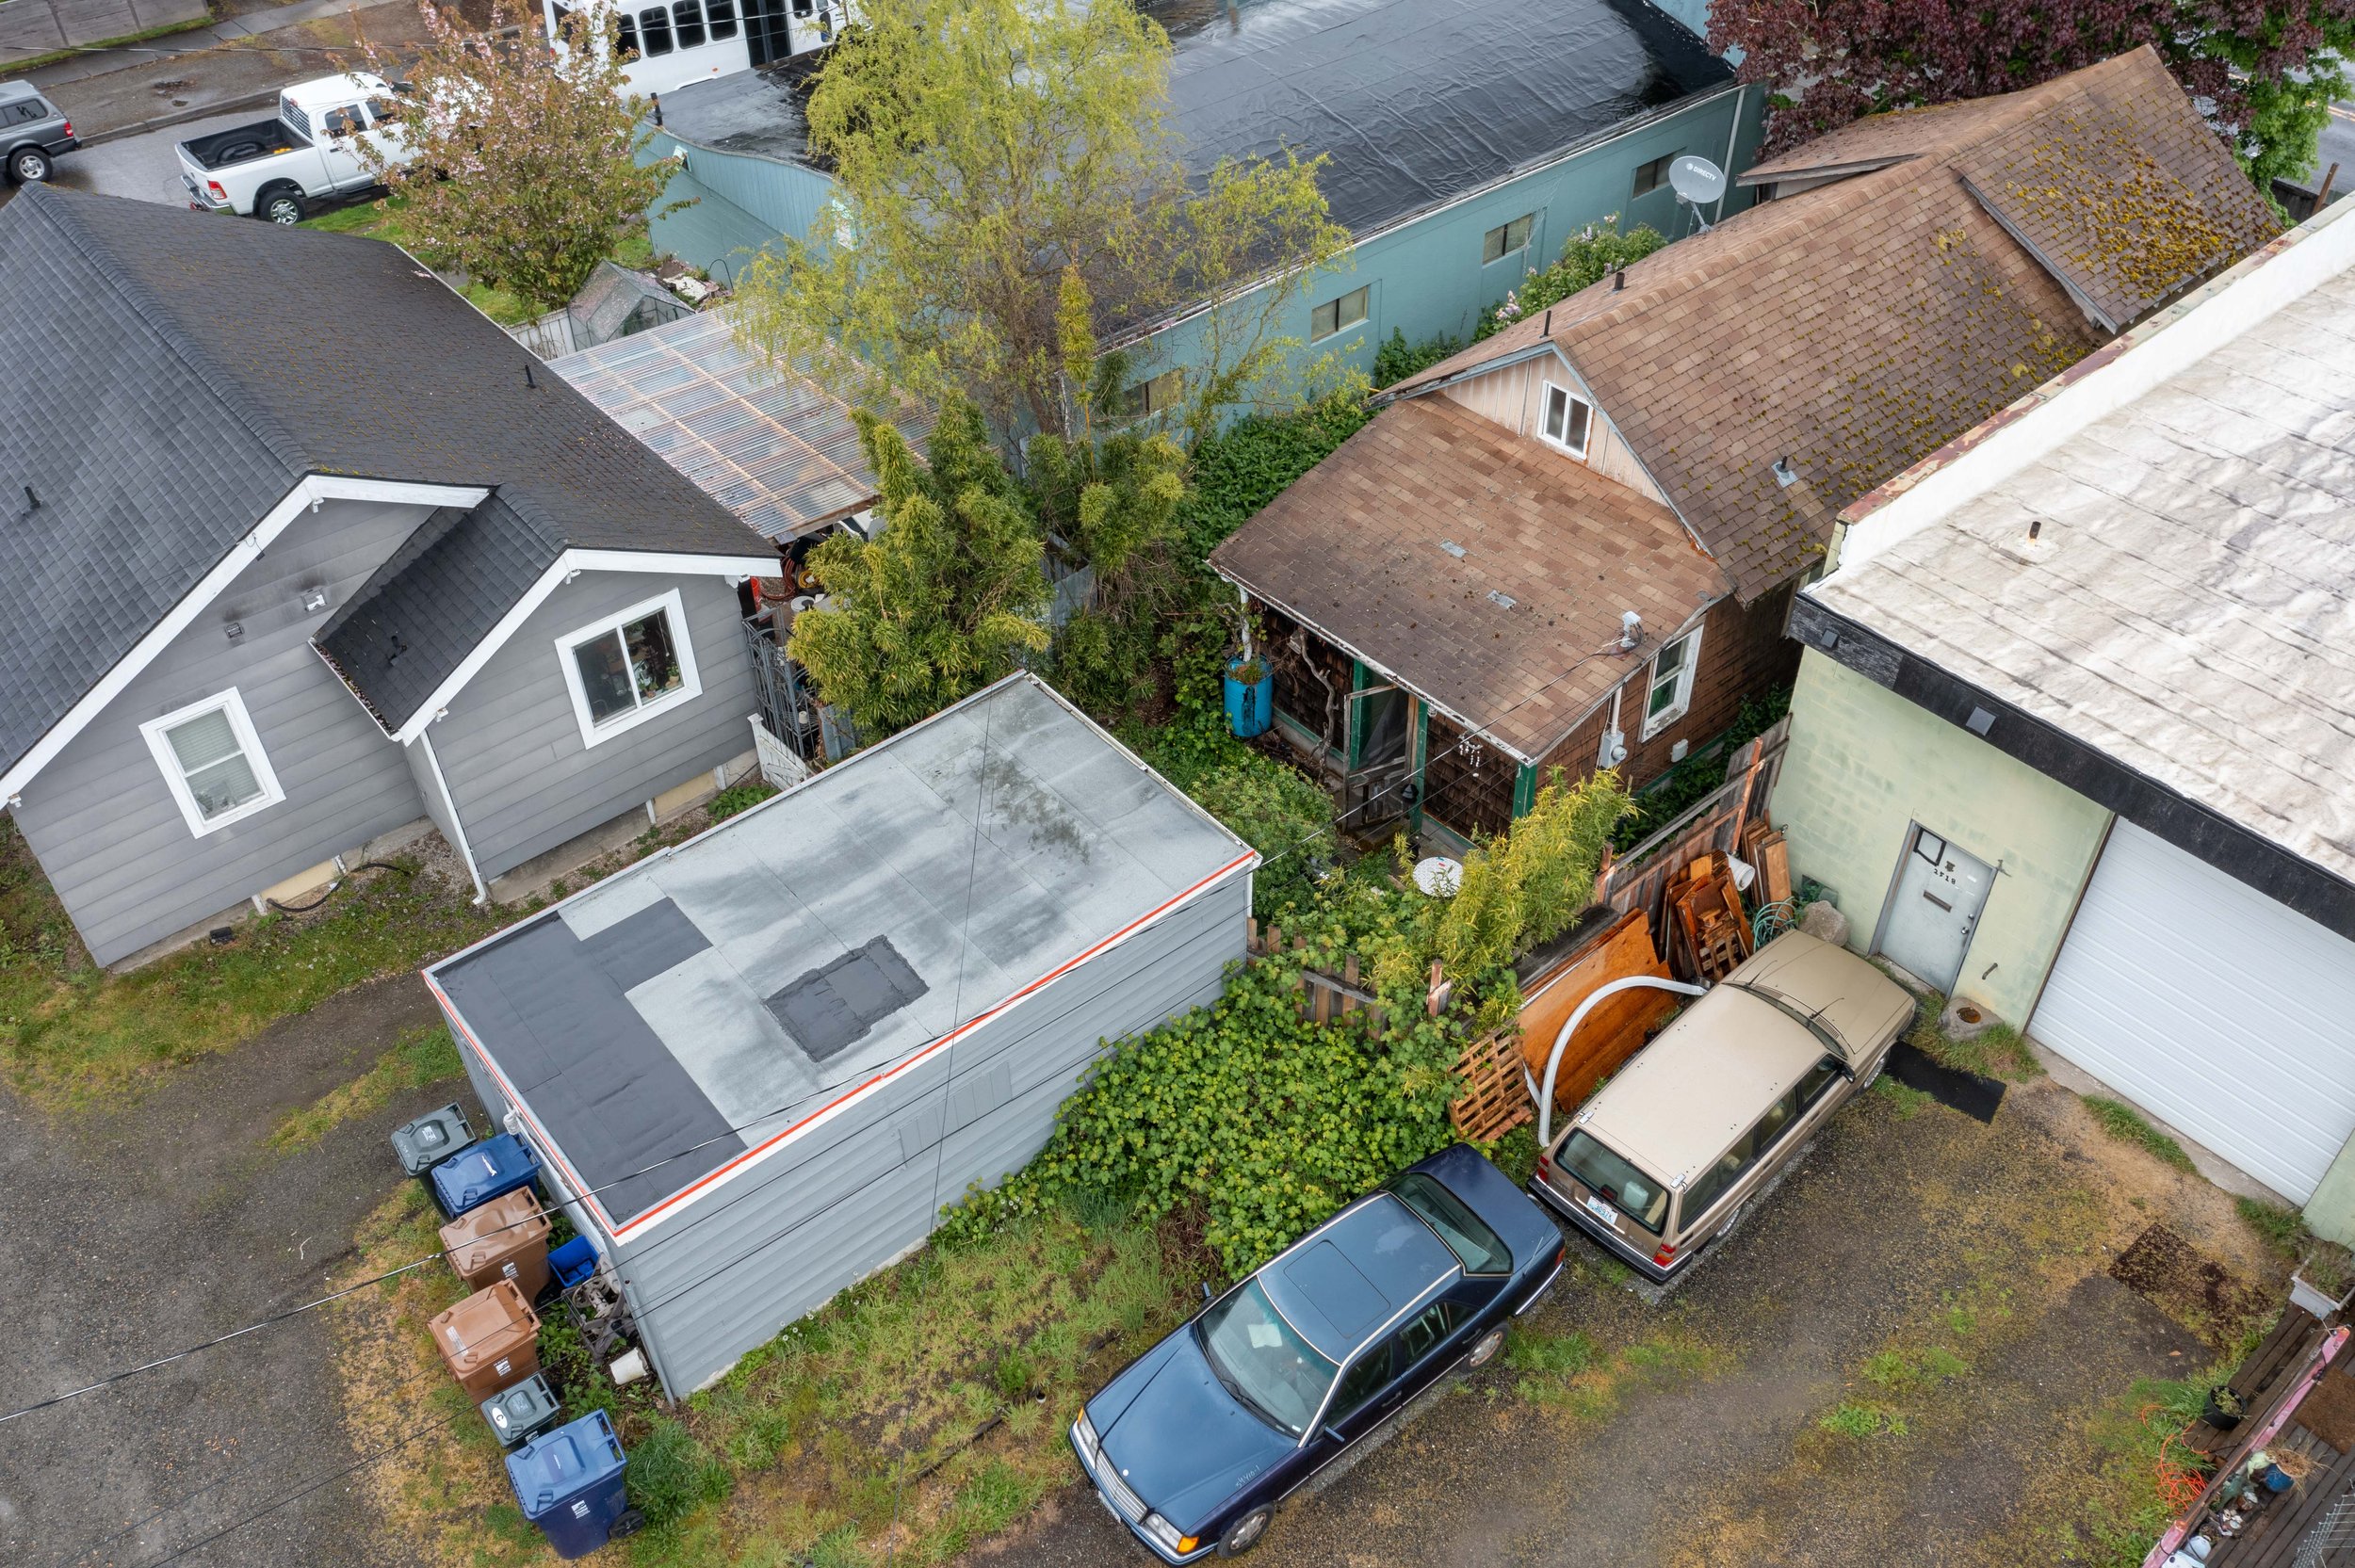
490, 1323
488, 1232
527, 1407
495, 1163
432, 1139
558, 1466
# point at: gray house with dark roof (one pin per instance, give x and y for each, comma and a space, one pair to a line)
304, 553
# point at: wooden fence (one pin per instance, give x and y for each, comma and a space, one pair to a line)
1638, 880
1325, 996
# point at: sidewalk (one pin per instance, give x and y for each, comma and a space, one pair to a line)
252, 25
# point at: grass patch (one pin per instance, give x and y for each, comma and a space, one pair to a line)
2281, 1228
1851, 1418
2124, 1122
2140, 1460
1901, 1372
380, 219
1570, 1371
73, 1034
420, 1057
948, 1379
1906, 1100
1995, 1052
34, 62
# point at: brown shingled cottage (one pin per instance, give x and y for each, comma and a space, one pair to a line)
1574, 544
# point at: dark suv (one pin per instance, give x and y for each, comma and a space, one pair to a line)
33, 131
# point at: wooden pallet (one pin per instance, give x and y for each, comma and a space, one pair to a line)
1495, 1098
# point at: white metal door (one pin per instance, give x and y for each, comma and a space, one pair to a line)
2212, 1006
1940, 891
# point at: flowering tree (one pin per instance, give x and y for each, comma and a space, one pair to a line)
2263, 71
516, 163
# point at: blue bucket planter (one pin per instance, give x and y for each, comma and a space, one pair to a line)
1250, 706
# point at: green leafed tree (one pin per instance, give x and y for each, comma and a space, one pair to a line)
947, 597
999, 164
515, 163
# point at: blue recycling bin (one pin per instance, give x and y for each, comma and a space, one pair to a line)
491, 1168
569, 1483
573, 1262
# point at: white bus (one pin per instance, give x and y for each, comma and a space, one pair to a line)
679, 41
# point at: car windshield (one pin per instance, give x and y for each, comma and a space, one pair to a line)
1633, 1193
1263, 1361
1475, 1246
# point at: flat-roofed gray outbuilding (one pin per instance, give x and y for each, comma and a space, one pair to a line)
755, 1065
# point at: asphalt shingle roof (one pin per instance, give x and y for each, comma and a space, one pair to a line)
172, 375
1511, 637
1856, 326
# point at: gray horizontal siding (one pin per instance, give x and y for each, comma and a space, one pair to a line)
842, 1201
523, 778
101, 818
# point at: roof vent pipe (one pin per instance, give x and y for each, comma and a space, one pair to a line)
1785, 475
1618, 280
1631, 631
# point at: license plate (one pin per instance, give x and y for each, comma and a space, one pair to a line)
1603, 1211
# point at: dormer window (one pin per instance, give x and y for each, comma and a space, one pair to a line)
1565, 419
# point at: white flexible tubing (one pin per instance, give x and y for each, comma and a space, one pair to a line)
1578, 1015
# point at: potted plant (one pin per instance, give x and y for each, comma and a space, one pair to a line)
2324, 1279
1250, 695
2224, 1408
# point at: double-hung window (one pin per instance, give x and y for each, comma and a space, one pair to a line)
213, 762
1506, 239
630, 667
722, 15
687, 23
1565, 419
1339, 316
653, 30
1671, 690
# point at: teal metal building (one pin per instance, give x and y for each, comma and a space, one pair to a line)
1467, 139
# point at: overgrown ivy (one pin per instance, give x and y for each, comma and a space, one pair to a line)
1590, 256
1266, 1121
1398, 359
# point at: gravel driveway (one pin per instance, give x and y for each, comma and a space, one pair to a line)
131, 1232
1701, 1441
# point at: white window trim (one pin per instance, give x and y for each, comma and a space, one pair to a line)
176, 779
691, 686
1505, 231
1545, 402
1655, 724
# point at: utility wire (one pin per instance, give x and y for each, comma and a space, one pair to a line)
275, 1318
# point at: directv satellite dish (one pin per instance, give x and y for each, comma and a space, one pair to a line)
1697, 183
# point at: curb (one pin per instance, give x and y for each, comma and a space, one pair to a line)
181, 116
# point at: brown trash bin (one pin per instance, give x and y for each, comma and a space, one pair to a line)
506, 1239
490, 1340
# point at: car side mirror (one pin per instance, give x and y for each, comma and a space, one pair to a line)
1206, 1298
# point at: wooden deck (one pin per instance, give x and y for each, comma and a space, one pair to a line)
2271, 1539
2275, 1387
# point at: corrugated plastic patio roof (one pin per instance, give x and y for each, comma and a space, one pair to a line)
776, 449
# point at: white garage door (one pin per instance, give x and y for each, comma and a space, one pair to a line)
2212, 1006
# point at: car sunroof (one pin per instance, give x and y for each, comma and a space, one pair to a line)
1332, 1284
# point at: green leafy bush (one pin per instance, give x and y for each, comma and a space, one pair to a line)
1398, 359
741, 796
1267, 1122
1278, 812
1591, 255
670, 1474
1528, 887
1691, 781
1247, 465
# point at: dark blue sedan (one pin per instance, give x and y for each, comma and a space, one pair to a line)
1198, 1440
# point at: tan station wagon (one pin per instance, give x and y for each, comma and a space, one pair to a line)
1660, 1161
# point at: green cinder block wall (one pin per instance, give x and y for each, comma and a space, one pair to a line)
1865, 765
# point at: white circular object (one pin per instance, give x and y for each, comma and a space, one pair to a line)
1438, 877
1696, 179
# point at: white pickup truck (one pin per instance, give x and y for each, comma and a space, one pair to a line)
274, 169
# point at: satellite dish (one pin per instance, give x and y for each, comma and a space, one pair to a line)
1696, 179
